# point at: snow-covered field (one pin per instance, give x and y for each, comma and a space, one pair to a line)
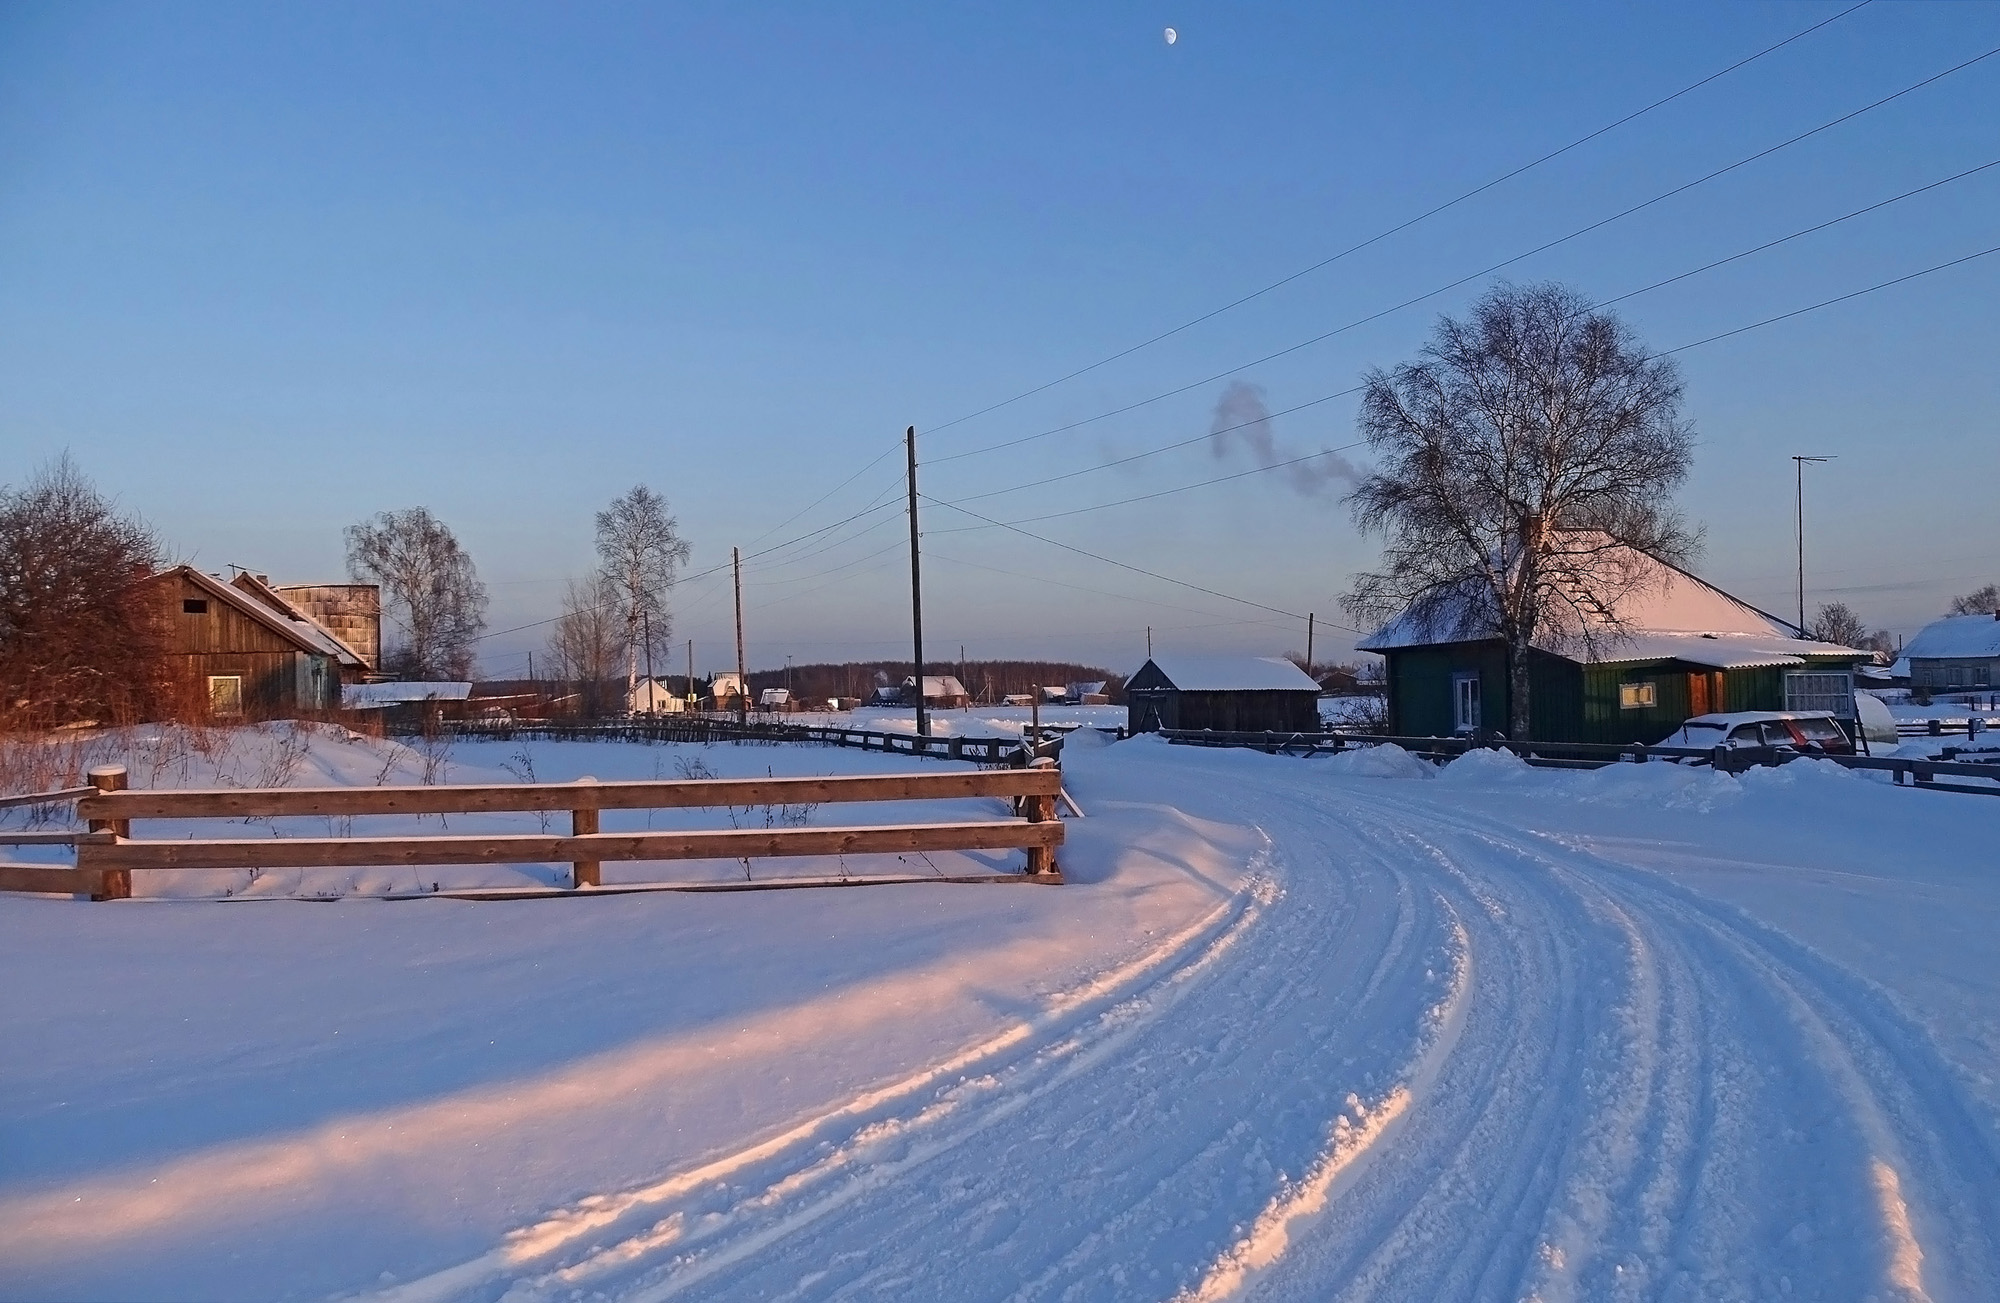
1336, 1028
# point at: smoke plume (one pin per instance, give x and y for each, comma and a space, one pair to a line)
1241, 418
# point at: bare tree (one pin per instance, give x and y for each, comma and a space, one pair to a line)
431, 589
639, 549
80, 636
1836, 622
1524, 457
1980, 601
586, 645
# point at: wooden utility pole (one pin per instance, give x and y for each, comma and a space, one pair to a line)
742, 680
1309, 642
652, 684
690, 673
1149, 642
1799, 465
916, 587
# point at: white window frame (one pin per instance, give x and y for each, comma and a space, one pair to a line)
1643, 695
214, 681
1466, 706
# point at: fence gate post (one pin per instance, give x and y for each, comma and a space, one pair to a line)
1042, 809
585, 873
112, 884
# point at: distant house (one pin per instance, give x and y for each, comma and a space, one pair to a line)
1957, 653
653, 696
1685, 648
941, 690
775, 699
725, 691
1086, 694
232, 655
1226, 693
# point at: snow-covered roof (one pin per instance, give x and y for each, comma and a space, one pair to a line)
1663, 612
281, 618
1722, 651
1956, 637
1233, 674
361, 696
297, 619
938, 685
774, 696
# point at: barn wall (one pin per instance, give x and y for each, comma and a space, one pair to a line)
279, 679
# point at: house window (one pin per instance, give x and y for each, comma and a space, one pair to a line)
225, 694
1638, 696
194, 606
1465, 702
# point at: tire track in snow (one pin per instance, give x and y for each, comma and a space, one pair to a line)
824, 1144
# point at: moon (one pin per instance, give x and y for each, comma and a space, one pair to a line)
1172, 36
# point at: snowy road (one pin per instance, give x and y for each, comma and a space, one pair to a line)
1647, 1033
1434, 1055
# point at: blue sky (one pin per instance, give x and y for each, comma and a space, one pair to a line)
266, 270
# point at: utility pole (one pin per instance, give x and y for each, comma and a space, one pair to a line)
916, 587
652, 684
1309, 642
1149, 642
1799, 466
690, 672
742, 681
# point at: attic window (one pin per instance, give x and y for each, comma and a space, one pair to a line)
1638, 696
194, 606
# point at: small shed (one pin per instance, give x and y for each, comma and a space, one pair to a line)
233, 657
1956, 654
1228, 693
775, 699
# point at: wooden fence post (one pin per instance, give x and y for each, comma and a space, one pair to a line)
585, 873
112, 884
1042, 809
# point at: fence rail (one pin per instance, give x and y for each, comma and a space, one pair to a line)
709, 728
1597, 755
108, 854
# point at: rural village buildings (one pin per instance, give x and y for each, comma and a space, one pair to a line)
1226, 693
1681, 647
1956, 653
246, 650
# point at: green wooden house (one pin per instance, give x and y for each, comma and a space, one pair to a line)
1677, 647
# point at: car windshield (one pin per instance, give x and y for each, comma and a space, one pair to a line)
1747, 735
1696, 728
1819, 730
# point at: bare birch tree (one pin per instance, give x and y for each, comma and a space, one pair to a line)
1523, 456
430, 587
639, 550
1980, 601
80, 636
586, 645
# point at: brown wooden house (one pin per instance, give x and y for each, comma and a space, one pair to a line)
233, 656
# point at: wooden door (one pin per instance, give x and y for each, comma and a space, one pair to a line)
1698, 698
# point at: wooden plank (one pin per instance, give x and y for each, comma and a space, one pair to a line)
641, 888
60, 880
729, 844
239, 803
53, 838
47, 798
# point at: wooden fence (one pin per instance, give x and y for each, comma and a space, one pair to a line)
709, 728
1596, 755
108, 854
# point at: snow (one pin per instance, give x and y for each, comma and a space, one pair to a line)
1234, 674
1332, 1028
1956, 637
1723, 651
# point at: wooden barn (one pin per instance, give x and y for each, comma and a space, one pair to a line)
235, 657
1679, 647
1226, 693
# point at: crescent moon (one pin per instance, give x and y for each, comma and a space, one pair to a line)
1172, 36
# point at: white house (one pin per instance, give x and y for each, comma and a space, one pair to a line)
652, 696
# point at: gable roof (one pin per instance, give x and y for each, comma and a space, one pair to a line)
938, 685
329, 642
1666, 613
1972, 637
1231, 674
306, 636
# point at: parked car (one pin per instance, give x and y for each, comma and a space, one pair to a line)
1805, 733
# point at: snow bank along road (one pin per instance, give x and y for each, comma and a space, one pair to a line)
1645, 1033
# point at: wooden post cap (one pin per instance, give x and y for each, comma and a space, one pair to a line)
107, 771
108, 778
1042, 762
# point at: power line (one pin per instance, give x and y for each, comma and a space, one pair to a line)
1324, 398
1400, 227
1487, 271
1098, 592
